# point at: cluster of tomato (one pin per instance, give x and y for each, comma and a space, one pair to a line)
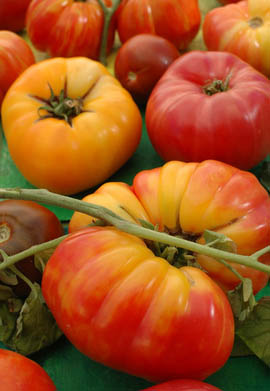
82, 124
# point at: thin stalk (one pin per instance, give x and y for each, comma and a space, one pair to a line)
96, 211
108, 13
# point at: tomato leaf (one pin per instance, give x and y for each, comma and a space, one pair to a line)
27, 326
264, 175
240, 349
219, 241
255, 330
242, 299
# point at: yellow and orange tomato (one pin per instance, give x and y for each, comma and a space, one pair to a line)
187, 199
69, 124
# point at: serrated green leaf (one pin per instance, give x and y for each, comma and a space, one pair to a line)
255, 330
5, 292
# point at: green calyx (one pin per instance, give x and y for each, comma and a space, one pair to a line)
216, 86
61, 107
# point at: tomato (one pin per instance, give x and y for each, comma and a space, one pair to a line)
68, 28
187, 199
64, 127
224, 2
18, 231
201, 109
15, 56
176, 20
128, 309
141, 61
183, 385
19, 373
242, 29
12, 14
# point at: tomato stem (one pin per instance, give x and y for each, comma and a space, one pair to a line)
216, 86
100, 212
108, 13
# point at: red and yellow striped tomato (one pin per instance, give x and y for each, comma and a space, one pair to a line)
176, 20
128, 309
187, 199
69, 124
15, 56
242, 29
68, 28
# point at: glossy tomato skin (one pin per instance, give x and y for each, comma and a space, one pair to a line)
19, 373
22, 225
189, 198
141, 61
12, 14
183, 385
176, 20
69, 157
15, 56
132, 311
186, 122
68, 28
242, 29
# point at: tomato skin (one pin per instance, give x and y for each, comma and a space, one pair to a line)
176, 20
21, 373
199, 126
224, 2
183, 385
189, 198
241, 29
18, 225
141, 61
15, 56
68, 28
12, 14
122, 306
69, 158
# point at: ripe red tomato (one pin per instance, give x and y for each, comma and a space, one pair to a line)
22, 225
176, 20
188, 198
15, 56
12, 14
242, 29
19, 373
123, 306
210, 105
68, 28
183, 385
141, 61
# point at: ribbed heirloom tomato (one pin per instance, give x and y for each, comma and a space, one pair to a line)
210, 105
243, 29
68, 28
189, 198
176, 20
69, 124
122, 304
15, 56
